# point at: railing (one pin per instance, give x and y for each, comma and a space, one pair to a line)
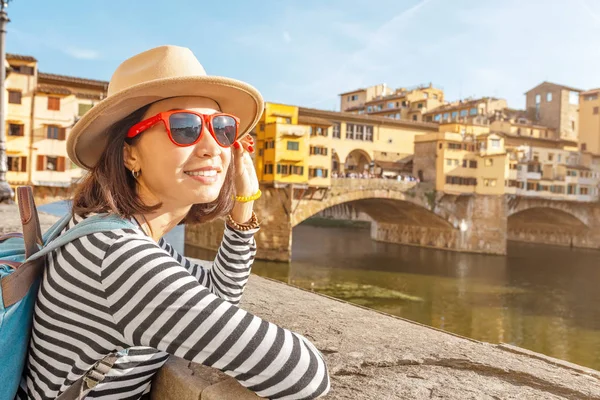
352, 184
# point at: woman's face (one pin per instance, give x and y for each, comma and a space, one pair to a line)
166, 169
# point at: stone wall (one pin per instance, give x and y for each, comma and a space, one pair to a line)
371, 355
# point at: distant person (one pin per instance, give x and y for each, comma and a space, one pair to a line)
169, 145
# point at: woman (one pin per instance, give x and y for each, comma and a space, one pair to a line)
166, 146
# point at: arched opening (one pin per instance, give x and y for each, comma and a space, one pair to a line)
543, 218
357, 161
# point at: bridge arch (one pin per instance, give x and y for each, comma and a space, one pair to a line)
381, 205
546, 211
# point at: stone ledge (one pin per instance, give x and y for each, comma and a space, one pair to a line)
372, 355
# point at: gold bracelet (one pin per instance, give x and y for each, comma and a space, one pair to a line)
245, 199
250, 224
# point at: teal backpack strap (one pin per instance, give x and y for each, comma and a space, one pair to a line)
90, 225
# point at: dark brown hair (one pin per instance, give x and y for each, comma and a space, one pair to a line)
109, 186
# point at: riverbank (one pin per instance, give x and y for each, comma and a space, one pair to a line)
372, 355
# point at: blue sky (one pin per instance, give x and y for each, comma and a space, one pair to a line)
307, 52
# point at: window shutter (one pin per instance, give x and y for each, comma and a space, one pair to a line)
61, 164
40, 165
23, 164
62, 133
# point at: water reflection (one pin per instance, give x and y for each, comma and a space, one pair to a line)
538, 297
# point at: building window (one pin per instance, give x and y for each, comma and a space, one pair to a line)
390, 104
550, 156
472, 164
584, 190
349, 131
369, 109
14, 97
414, 117
268, 169
548, 97
437, 118
336, 130
16, 130
572, 124
583, 147
420, 105
489, 162
23, 69
595, 110
473, 111
538, 99
454, 114
573, 98
435, 96
359, 132
369, 133
446, 116
495, 143
17, 164
283, 169
489, 182
559, 157
83, 108
463, 113
293, 145
50, 163
455, 146
54, 103
55, 132
318, 173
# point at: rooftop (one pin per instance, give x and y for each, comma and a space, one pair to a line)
42, 76
20, 57
460, 104
345, 116
555, 85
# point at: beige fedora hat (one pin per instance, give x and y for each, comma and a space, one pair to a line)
156, 74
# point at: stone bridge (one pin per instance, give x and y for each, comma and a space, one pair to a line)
415, 214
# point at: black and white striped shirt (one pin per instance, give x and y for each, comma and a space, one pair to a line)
120, 290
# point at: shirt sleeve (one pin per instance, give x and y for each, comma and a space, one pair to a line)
227, 276
156, 302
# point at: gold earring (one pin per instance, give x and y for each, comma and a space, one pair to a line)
136, 174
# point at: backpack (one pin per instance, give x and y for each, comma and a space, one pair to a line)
22, 263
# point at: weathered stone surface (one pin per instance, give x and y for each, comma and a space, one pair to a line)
11, 222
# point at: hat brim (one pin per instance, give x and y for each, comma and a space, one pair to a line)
87, 139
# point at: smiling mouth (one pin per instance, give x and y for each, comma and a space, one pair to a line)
210, 172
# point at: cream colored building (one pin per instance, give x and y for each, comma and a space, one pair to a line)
41, 109
402, 103
589, 121
466, 111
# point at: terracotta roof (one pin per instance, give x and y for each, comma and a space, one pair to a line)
306, 120
89, 96
72, 80
591, 91
20, 57
555, 84
578, 167
355, 108
50, 89
364, 118
460, 104
352, 91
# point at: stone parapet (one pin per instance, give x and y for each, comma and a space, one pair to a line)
371, 355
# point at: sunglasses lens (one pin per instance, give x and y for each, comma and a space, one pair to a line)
225, 128
185, 128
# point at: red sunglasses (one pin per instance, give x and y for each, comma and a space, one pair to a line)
185, 127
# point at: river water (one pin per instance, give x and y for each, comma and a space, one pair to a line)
543, 298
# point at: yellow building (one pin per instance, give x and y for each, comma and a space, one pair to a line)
41, 110
282, 146
589, 121
461, 163
306, 147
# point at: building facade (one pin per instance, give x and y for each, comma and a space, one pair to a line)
41, 109
306, 147
555, 106
589, 121
466, 111
401, 104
